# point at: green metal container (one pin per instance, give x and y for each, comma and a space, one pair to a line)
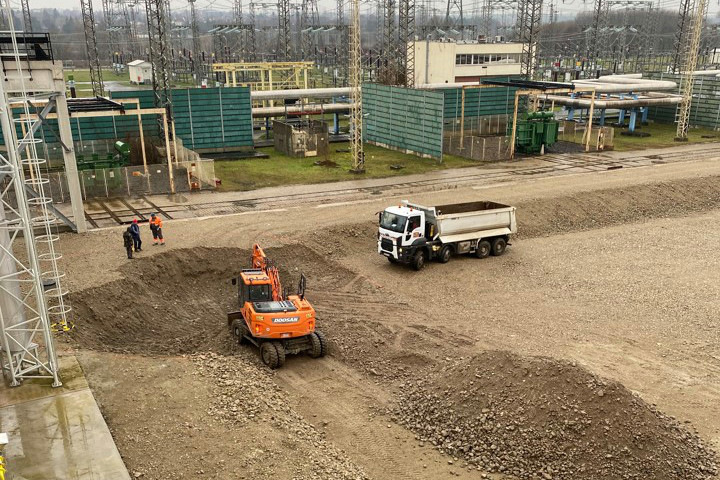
535, 130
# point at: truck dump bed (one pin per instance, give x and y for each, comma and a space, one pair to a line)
461, 221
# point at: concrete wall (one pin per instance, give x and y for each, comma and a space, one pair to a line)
309, 139
438, 64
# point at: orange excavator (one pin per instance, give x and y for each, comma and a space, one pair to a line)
277, 323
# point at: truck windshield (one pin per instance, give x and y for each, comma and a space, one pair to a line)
391, 221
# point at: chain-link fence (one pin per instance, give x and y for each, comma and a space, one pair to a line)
482, 138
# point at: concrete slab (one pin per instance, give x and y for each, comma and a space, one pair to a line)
58, 433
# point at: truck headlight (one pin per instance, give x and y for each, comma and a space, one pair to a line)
400, 250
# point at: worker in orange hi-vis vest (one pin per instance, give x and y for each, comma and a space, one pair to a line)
156, 228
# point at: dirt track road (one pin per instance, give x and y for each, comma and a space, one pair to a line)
616, 271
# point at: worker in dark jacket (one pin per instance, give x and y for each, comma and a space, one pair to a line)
135, 230
156, 228
128, 242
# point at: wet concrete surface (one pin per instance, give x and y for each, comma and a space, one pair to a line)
57, 433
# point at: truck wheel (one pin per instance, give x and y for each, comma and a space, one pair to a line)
418, 261
498, 246
445, 254
269, 354
281, 353
319, 344
239, 330
483, 249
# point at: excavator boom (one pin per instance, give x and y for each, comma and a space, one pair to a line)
261, 262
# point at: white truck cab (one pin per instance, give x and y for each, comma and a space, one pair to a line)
411, 233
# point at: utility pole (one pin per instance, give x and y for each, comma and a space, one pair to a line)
88, 18
356, 112
691, 52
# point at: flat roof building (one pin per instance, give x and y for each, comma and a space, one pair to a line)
451, 61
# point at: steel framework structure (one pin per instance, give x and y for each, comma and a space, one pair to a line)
389, 66
454, 13
284, 34
356, 111
88, 18
406, 20
529, 34
27, 20
691, 53
31, 293
681, 33
196, 59
159, 54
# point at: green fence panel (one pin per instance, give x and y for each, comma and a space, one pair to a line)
405, 119
705, 106
480, 101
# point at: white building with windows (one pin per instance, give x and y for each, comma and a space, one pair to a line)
451, 62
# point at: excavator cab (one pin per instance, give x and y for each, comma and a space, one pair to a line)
270, 319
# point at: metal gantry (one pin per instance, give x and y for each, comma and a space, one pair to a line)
96, 80
159, 54
598, 27
690, 53
31, 292
356, 111
681, 34
389, 67
27, 20
454, 14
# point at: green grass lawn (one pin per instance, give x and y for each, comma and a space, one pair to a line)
249, 174
661, 135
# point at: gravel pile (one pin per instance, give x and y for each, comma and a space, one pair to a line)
538, 418
245, 392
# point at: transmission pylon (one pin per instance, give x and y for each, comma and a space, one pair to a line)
532, 11
27, 20
389, 67
356, 112
88, 18
454, 14
681, 33
196, 59
31, 293
159, 54
406, 38
691, 53
284, 34
597, 29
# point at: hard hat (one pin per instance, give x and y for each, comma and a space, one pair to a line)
134, 220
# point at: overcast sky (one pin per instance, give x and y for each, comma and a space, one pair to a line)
563, 6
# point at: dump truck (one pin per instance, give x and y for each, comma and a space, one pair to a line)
277, 323
413, 234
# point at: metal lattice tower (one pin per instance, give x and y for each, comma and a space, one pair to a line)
253, 37
530, 23
389, 67
454, 13
486, 14
356, 112
197, 66
31, 293
597, 29
159, 53
27, 21
690, 53
284, 34
309, 19
406, 47
683, 27
88, 18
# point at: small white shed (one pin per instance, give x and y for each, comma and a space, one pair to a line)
140, 72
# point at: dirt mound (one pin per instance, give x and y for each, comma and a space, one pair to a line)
538, 418
177, 302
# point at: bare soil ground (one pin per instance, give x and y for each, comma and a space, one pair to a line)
612, 281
